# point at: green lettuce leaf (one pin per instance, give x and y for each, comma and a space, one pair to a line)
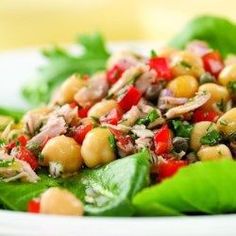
107, 190
61, 64
218, 32
201, 188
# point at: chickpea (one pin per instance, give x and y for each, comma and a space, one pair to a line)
217, 152
102, 108
199, 130
227, 122
227, 75
63, 150
96, 149
69, 88
186, 63
60, 202
218, 93
184, 86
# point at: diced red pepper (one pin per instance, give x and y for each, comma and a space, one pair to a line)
25, 155
129, 99
22, 140
81, 132
213, 63
114, 74
34, 206
162, 140
73, 104
169, 168
113, 117
10, 146
161, 66
202, 115
83, 112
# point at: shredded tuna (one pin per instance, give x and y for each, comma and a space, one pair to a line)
192, 104
130, 117
143, 142
96, 90
142, 132
67, 112
55, 126
127, 77
168, 102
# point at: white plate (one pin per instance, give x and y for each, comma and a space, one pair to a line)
15, 68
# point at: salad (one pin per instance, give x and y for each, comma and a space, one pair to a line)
125, 134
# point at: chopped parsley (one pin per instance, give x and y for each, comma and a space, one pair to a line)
221, 105
186, 64
151, 117
112, 141
211, 138
41, 157
6, 163
232, 86
2, 142
153, 53
182, 128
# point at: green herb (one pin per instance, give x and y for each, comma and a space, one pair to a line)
221, 105
105, 191
232, 87
2, 142
185, 64
61, 64
212, 138
211, 29
112, 142
153, 53
207, 78
224, 122
182, 128
6, 163
151, 117
188, 191
41, 157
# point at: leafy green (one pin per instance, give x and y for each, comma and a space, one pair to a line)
61, 64
6, 163
211, 138
107, 190
14, 113
218, 32
201, 188
151, 117
232, 86
182, 128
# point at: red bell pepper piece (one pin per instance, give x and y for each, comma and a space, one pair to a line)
81, 132
114, 74
170, 167
25, 155
161, 66
22, 140
129, 99
162, 140
201, 115
213, 63
113, 117
73, 104
34, 206
83, 112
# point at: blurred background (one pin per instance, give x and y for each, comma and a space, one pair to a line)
26, 23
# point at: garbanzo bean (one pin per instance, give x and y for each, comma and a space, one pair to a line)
218, 93
186, 63
227, 75
63, 150
184, 86
199, 130
60, 202
102, 108
227, 122
69, 88
217, 152
96, 149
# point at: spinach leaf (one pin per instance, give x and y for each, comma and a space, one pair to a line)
107, 190
218, 32
15, 114
202, 188
61, 64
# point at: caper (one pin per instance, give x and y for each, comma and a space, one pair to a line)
180, 144
153, 92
